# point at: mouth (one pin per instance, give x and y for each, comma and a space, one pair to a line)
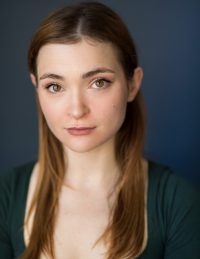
80, 131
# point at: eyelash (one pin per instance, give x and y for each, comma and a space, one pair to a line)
105, 81
53, 84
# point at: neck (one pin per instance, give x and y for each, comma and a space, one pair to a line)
96, 169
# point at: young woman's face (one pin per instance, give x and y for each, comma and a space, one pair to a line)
83, 93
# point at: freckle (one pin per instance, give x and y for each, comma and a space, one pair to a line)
114, 106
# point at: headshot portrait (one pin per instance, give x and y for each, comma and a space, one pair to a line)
100, 130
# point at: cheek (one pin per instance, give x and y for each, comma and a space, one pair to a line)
51, 113
119, 111
120, 102
115, 110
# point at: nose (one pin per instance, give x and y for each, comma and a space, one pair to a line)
77, 105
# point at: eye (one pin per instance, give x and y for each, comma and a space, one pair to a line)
54, 88
101, 83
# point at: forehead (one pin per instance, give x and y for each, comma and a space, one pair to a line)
80, 56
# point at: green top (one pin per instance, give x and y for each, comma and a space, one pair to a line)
173, 214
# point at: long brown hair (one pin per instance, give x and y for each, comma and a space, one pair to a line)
127, 226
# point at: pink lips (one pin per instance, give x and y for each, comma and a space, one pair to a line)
80, 131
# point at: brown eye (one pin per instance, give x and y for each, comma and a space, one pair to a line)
101, 83
54, 88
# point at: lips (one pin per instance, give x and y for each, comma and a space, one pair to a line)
80, 131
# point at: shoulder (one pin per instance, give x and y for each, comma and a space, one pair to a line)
13, 184
13, 192
174, 210
167, 185
17, 175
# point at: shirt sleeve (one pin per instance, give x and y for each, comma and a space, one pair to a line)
182, 220
5, 244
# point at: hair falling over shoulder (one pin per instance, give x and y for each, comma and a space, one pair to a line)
125, 234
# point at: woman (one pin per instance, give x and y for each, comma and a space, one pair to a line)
91, 194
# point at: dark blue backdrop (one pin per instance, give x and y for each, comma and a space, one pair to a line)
167, 36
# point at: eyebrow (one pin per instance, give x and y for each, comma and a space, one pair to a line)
52, 76
85, 75
97, 71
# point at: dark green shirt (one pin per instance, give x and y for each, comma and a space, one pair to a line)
173, 214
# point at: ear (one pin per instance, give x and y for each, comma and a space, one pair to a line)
135, 83
33, 80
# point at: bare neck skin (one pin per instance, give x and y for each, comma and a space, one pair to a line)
93, 170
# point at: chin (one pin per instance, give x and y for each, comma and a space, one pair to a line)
87, 147
78, 149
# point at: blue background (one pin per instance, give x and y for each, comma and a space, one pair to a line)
167, 36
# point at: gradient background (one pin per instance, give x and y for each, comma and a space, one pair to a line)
167, 36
